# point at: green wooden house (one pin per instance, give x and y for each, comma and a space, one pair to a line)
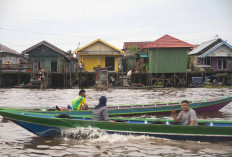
167, 55
51, 58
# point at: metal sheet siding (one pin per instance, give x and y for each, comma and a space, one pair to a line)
169, 60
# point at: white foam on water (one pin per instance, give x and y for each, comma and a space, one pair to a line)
117, 138
95, 135
82, 133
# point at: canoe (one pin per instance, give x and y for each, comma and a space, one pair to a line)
50, 125
200, 106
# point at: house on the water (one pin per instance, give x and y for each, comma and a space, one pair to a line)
9, 56
99, 54
12, 61
51, 58
167, 55
138, 45
216, 54
130, 59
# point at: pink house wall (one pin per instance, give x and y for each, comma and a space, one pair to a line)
214, 62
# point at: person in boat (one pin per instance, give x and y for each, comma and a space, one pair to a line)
100, 112
79, 103
188, 116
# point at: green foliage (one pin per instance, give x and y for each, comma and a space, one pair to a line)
197, 69
209, 69
160, 84
143, 68
133, 51
190, 64
70, 52
130, 66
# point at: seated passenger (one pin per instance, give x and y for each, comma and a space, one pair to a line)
79, 103
188, 116
100, 112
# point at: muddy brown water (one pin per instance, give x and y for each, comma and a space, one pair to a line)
16, 141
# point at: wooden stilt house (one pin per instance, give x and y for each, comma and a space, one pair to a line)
168, 55
99, 54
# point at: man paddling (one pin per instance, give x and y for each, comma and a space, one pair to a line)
79, 103
188, 116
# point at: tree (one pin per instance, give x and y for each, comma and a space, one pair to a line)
70, 52
133, 52
190, 64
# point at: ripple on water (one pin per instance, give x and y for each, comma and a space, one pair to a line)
16, 141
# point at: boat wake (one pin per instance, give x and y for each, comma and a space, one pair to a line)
95, 135
117, 138
83, 133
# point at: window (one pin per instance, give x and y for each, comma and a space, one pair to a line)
208, 61
222, 64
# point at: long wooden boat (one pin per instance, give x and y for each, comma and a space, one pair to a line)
49, 125
200, 106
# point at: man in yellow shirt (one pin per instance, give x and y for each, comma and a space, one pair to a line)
79, 103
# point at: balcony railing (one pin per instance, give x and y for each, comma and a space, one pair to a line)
15, 67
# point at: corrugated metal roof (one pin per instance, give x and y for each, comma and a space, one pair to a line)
139, 45
4, 48
168, 41
215, 48
201, 47
99, 40
65, 54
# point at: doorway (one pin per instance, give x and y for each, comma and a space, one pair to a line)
53, 66
110, 63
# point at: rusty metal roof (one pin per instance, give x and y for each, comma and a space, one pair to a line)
139, 45
168, 41
65, 54
6, 49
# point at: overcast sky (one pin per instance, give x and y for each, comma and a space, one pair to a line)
65, 23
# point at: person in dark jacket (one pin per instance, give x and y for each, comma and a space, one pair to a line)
100, 111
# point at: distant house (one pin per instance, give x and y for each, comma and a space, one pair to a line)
99, 54
51, 58
139, 45
168, 55
214, 53
9, 56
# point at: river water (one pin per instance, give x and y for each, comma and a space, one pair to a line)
16, 141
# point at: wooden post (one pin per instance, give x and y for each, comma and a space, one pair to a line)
163, 80
64, 75
18, 74
186, 83
151, 79
118, 78
70, 74
1, 72
78, 81
156, 70
122, 72
32, 76
174, 79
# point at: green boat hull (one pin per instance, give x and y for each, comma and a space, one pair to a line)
200, 106
48, 125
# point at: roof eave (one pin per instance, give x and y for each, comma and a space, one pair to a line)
93, 42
